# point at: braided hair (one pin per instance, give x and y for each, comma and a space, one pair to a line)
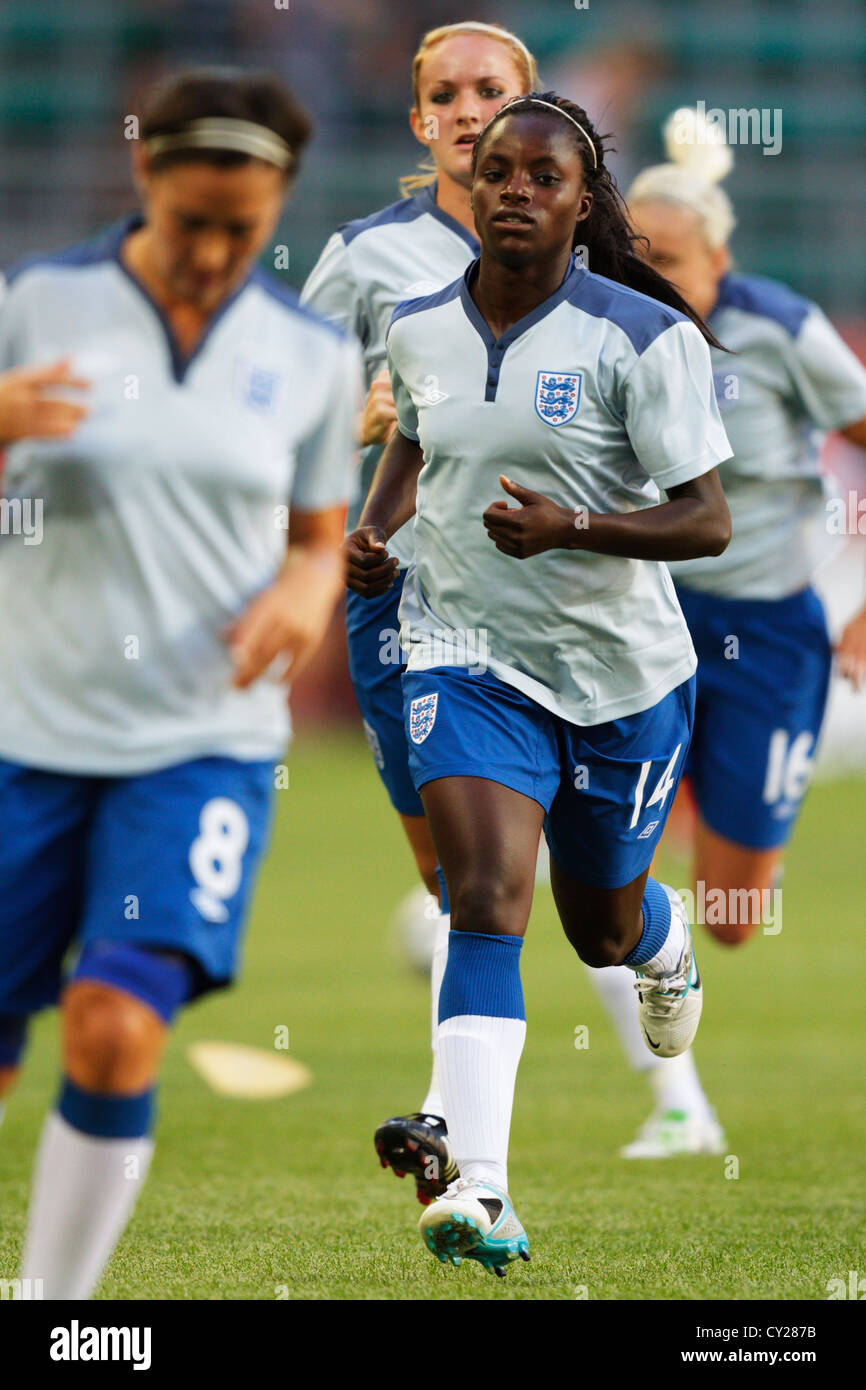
606, 234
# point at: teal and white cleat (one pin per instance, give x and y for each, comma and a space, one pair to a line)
669, 1133
474, 1221
669, 1006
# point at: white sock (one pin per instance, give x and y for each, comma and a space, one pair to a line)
615, 986
84, 1190
674, 1080
433, 1099
478, 1060
677, 1086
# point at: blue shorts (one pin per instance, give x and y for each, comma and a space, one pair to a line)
376, 664
165, 860
606, 788
762, 681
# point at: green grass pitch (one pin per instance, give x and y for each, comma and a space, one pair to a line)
259, 1200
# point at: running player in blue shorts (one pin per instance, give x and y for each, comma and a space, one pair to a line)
461, 74
550, 679
148, 623
764, 654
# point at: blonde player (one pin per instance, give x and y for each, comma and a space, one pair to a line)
764, 654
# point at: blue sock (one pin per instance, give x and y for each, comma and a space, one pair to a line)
107, 1116
656, 909
482, 976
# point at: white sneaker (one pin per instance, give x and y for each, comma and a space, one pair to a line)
474, 1221
669, 1006
670, 1132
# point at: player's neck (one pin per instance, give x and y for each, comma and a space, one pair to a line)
504, 295
452, 198
188, 321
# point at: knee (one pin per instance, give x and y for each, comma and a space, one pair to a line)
8, 1077
601, 951
602, 941
488, 904
731, 933
109, 1038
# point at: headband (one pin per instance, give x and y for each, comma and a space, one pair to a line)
224, 133
536, 101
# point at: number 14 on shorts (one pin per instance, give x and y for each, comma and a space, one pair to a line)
663, 787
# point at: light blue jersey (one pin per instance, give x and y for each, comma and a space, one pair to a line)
368, 267
164, 513
787, 378
601, 398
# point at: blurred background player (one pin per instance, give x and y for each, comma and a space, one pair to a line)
145, 642
461, 74
764, 653
599, 398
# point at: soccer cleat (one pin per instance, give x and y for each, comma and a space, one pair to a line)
669, 1006
671, 1132
474, 1221
418, 1144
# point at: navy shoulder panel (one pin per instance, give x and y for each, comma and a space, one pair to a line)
427, 301
404, 210
290, 301
640, 317
753, 294
102, 247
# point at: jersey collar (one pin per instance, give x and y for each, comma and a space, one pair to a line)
497, 347
572, 278
427, 201
180, 362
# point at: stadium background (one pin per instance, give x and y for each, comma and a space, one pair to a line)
234, 1189
71, 73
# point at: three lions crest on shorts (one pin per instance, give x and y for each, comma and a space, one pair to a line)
557, 396
422, 716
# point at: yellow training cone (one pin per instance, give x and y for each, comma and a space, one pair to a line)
248, 1073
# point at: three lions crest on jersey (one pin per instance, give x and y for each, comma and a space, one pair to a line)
557, 396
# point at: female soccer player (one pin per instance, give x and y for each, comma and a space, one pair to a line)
764, 655
143, 641
581, 398
461, 75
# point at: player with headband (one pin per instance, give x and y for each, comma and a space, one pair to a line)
461, 74
590, 405
195, 415
760, 699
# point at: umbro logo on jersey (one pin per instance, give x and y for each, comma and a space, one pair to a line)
419, 289
422, 716
557, 396
432, 394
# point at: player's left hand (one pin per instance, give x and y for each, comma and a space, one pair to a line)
538, 524
287, 620
851, 651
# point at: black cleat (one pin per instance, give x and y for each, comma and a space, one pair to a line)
418, 1144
